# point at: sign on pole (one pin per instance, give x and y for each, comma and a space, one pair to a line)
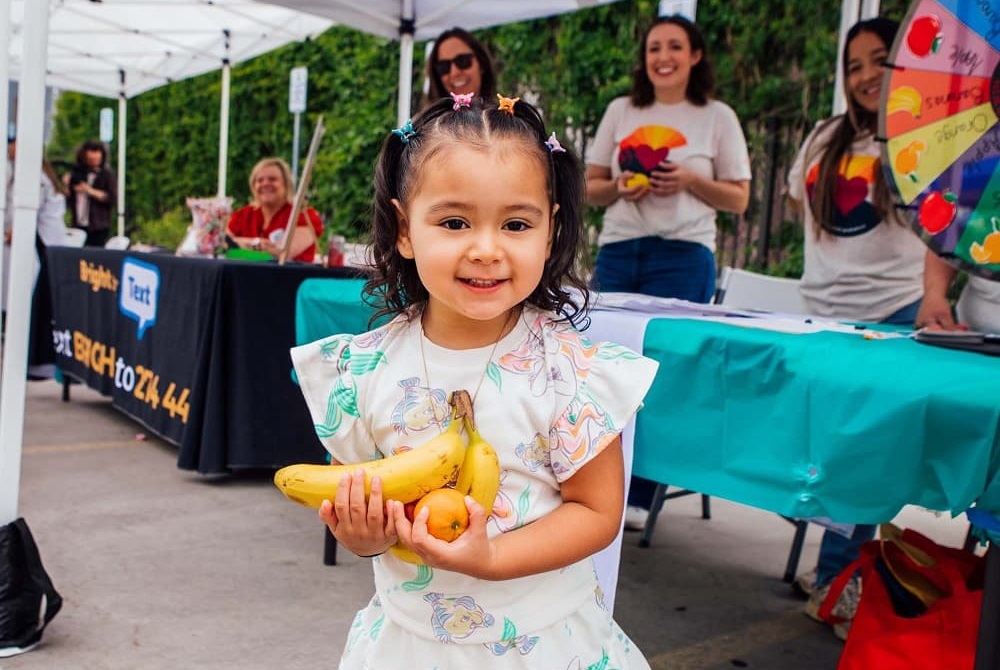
686, 8
107, 124
297, 89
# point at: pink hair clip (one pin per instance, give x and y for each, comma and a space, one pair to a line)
461, 100
507, 104
553, 144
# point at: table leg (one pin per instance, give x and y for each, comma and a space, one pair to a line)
988, 645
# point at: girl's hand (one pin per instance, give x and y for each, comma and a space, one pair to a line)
670, 179
472, 553
362, 527
634, 192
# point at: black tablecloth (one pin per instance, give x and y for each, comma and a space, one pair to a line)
194, 349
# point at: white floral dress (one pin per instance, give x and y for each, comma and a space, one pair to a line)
549, 402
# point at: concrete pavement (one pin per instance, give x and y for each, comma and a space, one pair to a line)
162, 568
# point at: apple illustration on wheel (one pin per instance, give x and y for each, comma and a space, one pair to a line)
937, 211
924, 36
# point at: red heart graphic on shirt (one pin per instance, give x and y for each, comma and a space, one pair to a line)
849, 193
649, 157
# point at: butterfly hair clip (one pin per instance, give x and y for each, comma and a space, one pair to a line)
461, 100
507, 104
405, 132
553, 144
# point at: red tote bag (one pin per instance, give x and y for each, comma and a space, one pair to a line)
941, 638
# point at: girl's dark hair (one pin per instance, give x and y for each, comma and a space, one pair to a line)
701, 84
394, 283
91, 145
436, 90
846, 129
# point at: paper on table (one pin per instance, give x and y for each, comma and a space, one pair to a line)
667, 308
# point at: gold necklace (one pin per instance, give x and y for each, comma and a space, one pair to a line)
427, 377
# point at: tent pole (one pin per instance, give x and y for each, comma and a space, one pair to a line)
849, 12
407, 27
27, 176
224, 120
4, 114
122, 101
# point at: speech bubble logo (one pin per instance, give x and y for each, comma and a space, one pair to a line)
138, 293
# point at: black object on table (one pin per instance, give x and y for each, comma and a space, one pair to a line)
194, 349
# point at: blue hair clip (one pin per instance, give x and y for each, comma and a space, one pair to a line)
553, 144
405, 131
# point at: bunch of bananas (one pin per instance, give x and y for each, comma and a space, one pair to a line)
446, 460
904, 99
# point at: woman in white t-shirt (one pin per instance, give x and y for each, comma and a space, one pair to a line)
862, 262
664, 160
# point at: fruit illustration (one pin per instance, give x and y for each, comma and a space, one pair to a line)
908, 158
406, 476
448, 516
924, 36
989, 250
637, 180
937, 211
904, 99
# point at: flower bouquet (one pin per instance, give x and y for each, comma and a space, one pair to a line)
206, 236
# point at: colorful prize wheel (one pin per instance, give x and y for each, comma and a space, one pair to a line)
939, 117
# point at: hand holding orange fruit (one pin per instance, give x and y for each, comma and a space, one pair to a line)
448, 516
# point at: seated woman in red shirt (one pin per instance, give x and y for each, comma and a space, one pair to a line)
260, 224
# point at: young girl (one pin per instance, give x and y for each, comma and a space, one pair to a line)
862, 263
477, 224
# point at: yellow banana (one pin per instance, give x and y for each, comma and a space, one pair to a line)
479, 475
405, 477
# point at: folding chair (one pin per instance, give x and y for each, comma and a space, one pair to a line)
746, 290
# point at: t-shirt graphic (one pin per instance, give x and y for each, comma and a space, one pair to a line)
853, 214
647, 147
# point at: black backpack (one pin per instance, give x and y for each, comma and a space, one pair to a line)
28, 601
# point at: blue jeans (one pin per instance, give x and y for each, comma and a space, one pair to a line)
662, 268
658, 267
836, 552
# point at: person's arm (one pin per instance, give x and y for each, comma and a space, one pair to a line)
602, 190
935, 311
587, 521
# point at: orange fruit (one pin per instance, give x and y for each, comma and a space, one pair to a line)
448, 515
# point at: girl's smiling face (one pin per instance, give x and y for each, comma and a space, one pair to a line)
478, 226
669, 59
866, 57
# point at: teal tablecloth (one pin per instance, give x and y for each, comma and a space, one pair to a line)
825, 424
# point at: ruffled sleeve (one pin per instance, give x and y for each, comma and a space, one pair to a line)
329, 372
612, 380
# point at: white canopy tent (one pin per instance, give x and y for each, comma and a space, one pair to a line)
409, 20
115, 48
121, 48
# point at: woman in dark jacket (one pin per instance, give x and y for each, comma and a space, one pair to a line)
93, 190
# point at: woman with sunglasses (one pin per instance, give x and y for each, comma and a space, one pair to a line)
664, 160
459, 63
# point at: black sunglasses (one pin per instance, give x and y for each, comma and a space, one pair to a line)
461, 61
